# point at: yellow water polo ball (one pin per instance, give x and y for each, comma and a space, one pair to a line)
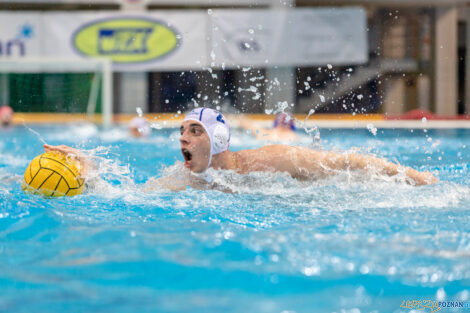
53, 174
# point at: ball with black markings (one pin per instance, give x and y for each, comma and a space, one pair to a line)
53, 174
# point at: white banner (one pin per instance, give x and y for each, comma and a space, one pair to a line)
190, 40
20, 34
291, 37
157, 41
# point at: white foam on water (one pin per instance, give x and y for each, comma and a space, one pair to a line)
114, 134
13, 160
107, 177
76, 131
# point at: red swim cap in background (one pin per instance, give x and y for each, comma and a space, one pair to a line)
6, 115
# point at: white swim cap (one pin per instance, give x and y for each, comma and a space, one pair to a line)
141, 125
215, 125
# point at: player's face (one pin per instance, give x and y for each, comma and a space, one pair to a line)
195, 146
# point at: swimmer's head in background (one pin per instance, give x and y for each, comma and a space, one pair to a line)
6, 115
285, 120
139, 127
215, 125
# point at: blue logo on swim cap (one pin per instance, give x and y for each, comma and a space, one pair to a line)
220, 118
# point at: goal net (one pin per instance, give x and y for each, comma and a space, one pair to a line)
58, 86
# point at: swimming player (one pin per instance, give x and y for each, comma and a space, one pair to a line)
205, 138
283, 129
6, 115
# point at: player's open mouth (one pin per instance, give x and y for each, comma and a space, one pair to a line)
187, 157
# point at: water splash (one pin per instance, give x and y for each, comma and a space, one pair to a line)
34, 132
316, 139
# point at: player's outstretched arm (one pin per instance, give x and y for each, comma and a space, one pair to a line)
164, 183
366, 162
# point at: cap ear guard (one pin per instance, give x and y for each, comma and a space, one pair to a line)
220, 139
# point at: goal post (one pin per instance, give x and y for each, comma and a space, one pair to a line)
81, 85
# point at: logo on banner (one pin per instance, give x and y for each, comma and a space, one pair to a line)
16, 46
249, 46
126, 40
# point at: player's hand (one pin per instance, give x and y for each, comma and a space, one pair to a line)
421, 178
85, 162
428, 178
63, 149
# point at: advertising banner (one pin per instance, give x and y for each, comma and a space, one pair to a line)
290, 37
156, 41
190, 40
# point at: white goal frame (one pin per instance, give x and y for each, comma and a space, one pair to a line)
61, 65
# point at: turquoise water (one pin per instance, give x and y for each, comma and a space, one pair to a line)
351, 243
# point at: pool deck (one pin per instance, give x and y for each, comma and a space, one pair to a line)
168, 120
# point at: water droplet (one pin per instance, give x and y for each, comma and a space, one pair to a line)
440, 294
156, 125
372, 129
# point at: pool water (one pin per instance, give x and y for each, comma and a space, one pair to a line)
351, 243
